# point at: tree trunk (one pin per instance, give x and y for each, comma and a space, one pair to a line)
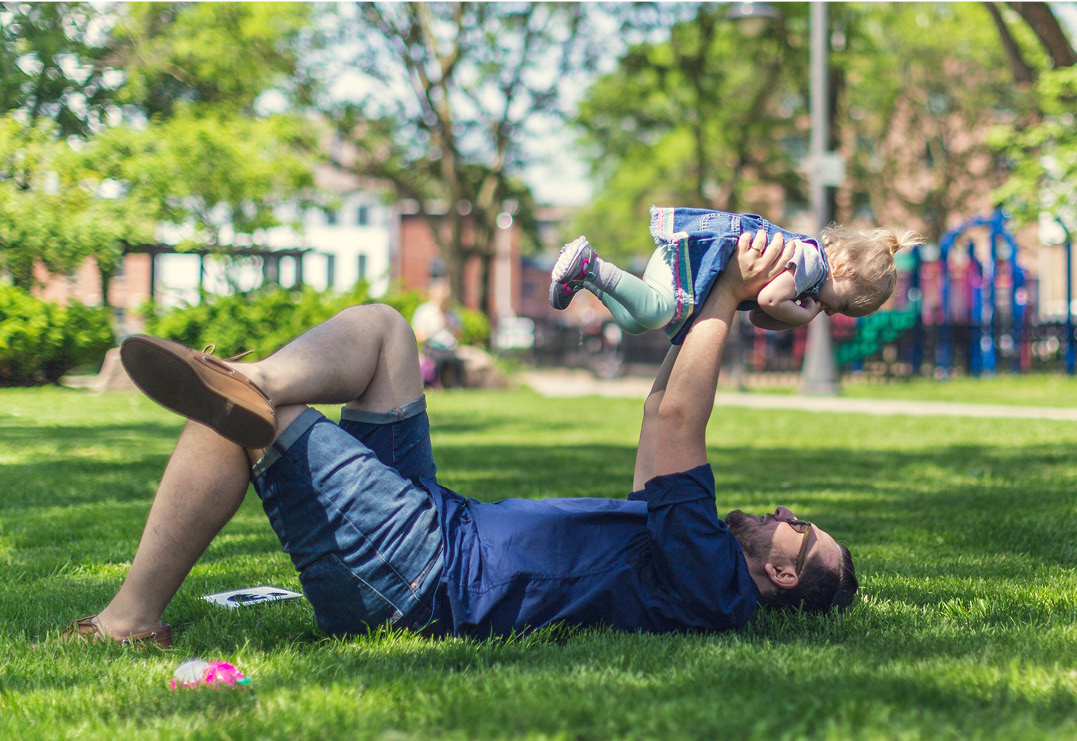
1022, 72
1044, 24
106, 283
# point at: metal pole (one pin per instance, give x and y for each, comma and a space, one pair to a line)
819, 374
1071, 350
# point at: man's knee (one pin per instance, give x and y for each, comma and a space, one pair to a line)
380, 320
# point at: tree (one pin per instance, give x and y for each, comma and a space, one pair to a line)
701, 117
1042, 149
50, 68
220, 55
218, 178
451, 91
926, 82
1042, 21
32, 213
914, 87
1044, 154
51, 213
193, 151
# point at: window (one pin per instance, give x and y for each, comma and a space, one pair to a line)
330, 217
362, 267
362, 215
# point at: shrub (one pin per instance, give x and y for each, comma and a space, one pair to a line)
264, 320
474, 327
260, 321
41, 341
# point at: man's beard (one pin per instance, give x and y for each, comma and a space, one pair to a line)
745, 529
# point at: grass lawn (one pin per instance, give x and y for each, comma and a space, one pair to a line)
1032, 389
962, 531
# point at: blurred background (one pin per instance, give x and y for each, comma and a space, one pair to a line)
235, 170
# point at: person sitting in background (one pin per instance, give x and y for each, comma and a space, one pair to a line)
437, 330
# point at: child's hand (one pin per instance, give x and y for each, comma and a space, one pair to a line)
812, 304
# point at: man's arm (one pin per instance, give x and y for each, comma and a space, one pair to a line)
674, 436
763, 320
789, 313
647, 449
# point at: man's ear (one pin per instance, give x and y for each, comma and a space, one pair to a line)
784, 577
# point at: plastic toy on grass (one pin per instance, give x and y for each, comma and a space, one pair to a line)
198, 673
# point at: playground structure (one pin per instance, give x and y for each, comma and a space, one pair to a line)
967, 309
959, 313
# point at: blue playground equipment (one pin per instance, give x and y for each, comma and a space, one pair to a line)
982, 355
979, 290
1071, 345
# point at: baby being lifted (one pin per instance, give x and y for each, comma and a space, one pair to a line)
843, 272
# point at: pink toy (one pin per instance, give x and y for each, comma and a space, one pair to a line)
196, 673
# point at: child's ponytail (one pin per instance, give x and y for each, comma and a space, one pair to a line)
895, 241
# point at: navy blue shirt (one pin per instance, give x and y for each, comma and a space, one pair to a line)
657, 562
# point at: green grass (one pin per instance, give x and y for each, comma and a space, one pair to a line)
962, 531
1034, 389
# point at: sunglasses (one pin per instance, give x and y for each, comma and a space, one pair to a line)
801, 526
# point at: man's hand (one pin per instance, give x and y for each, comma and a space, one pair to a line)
756, 264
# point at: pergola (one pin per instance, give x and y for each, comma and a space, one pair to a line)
270, 260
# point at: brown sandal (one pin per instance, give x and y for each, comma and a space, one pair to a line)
88, 629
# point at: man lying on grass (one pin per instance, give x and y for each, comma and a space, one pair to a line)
377, 540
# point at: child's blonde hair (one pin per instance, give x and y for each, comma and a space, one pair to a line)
866, 258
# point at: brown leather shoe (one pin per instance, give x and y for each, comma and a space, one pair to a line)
88, 629
201, 387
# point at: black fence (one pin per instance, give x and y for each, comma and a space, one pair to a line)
939, 350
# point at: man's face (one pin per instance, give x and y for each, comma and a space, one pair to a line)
770, 539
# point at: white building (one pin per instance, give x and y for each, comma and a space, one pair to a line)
349, 239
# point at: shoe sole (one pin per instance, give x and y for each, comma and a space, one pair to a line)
161, 372
568, 265
559, 297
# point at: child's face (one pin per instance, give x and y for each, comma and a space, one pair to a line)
836, 294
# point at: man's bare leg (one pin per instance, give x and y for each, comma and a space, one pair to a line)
365, 356
202, 487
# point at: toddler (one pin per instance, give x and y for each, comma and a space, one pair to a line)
843, 272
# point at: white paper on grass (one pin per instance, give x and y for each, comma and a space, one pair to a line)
250, 596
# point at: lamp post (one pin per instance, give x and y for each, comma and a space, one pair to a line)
819, 373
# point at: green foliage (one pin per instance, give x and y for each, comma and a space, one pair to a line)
265, 320
50, 213
924, 84
260, 321
51, 64
700, 114
218, 55
474, 327
221, 175
694, 117
41, 341
203, 162
1043, 154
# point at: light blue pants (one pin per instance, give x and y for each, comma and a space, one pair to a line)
641, 304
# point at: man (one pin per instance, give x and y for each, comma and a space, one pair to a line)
377, 540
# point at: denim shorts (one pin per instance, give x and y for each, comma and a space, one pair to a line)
346, 503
